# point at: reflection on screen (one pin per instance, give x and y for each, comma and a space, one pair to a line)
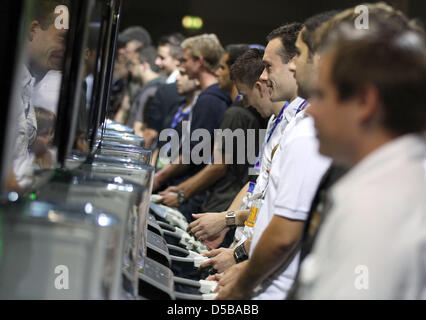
90, 59
39, 85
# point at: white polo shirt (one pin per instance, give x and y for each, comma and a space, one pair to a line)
373, 243
295, 174
266, 158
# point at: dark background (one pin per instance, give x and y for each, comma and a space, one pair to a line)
238, 21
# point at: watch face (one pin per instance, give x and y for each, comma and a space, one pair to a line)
230, 221
240, 254
236, 256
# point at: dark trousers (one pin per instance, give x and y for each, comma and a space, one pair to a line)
193, 205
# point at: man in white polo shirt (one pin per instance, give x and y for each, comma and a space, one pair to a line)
282, 87
295, 174
268, 99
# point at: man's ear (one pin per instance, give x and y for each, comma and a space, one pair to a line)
34, 26
176, 62
145, 66
370, 112
201, 61
258, 87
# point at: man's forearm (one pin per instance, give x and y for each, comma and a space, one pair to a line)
154, 157
121, 116
150, 135
203, 179
139, 128
172, 170
272, 250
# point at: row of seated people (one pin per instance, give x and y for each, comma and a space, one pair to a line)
338, 173
191, 98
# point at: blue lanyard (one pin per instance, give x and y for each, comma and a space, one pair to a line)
302, 106
251, 187
277, 121
180, 116
271, 132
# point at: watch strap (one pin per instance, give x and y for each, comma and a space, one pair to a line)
181, 197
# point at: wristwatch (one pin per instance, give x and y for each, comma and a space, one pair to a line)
231, 219
181, 197
240, 254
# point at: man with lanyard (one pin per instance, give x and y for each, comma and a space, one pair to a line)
279, 52
245, 72
294, 176
190, 89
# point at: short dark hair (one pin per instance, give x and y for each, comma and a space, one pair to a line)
135, 33
173, 41
148, 54
235, 51
395, 66
311, 24
288, 35
44, 11
249, 67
